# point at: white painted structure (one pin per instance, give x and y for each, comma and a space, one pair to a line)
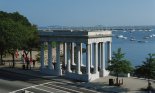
72, 43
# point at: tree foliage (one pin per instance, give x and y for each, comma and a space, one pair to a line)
118, 64
147, 69
16, 33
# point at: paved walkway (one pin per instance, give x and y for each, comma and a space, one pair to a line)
130, 85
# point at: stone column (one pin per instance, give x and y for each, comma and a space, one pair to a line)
109, 51
50, 65
79, 59
96, 57
58, 64
88, 59
42, 55
99, 56
73, 63
102, 72
68, 58
91, 57
65, 53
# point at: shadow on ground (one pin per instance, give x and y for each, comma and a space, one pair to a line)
104, 87
17, 74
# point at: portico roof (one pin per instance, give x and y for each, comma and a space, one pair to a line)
73, 35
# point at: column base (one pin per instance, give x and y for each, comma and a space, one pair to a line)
51, 71
69, 71
82, 65
73, 64
75, 76
93, 76
50, 67
104, 73
59, 72
79, 72
92, 66
82, 77
42, 68
97, 72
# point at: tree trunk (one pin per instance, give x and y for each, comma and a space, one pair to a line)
26, 53
13, 60
30, 53
1, 56
117, 80
149, 75
149, 83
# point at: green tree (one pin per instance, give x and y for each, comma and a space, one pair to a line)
32, 41
16, 33
147, 69
3, 38
118, 64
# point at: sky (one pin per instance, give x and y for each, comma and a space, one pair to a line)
84, 12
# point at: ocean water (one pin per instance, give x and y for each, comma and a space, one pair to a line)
135, 50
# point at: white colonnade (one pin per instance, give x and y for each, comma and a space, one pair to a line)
72, 64
98, 58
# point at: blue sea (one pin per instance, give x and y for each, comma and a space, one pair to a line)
135, 44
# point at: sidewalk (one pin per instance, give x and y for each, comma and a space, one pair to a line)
130, 85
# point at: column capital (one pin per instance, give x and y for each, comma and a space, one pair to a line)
109, 41
103, 42
96, 43
87, 44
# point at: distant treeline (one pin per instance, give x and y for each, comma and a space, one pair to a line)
119, 28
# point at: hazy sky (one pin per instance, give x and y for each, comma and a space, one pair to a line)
84, 12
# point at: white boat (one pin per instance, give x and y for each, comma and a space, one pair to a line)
146, 37
149, 30
132, 39
133, 30
153, 35
142, 41
125, 37
122, 37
